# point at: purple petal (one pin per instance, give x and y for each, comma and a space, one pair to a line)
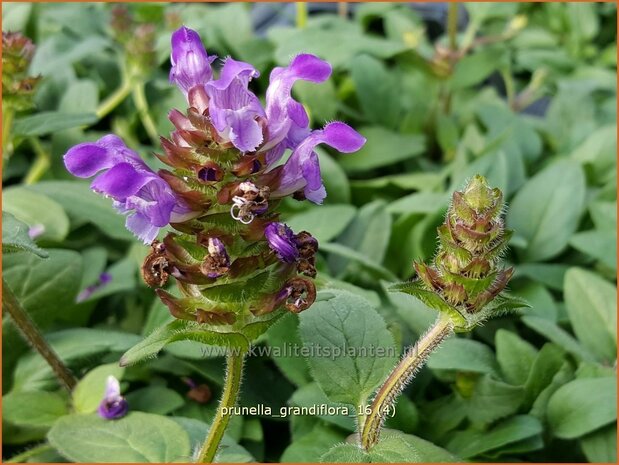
287, 119
140, 225
191, 66
245, 131
282, 241
87, 159
113, 405
302, 170
120, 182
233, 108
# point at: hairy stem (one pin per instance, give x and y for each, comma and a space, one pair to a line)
232, 385
139, 97
115, 99
402, 374
452, 25
34, 337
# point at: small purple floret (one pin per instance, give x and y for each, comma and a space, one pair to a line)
113, 405
302, 170
282, 241
135, 188
191, 66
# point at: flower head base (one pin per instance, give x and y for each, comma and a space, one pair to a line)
465, 278
113, 405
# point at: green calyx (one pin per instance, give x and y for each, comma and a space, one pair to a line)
465, 280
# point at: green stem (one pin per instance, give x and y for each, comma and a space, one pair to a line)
301, 14
401, 375
19, 458
7, 123
452, 25
232, 386
32, 334
114, 99
509, 87
141, 104
41, 163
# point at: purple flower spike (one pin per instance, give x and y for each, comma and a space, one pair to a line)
135, 188
288, 122
113, 405
302, 170
191, 66
282, 241
233, 108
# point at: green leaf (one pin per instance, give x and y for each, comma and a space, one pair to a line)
279, 336
547, 210
311, 396
367, 264
72, 346
459, 354
473, 443
592, 308
493, 399
541, 301
515, 356
582, 406
473, 69
345, 453
48, 122
45, 288
15, 16
348, 328
368, 235
83, 205
33, 409
546, 365
15, 237
558, 335
383, 148
604, 215
377, 91
155, 399
90, 390
419, 202
319, 41
138, 437
325, 222
180, 330
37, 210
393, 447
310, 447
601, 245
601, 445
334, 178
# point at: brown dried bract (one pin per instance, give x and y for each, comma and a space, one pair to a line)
155, 269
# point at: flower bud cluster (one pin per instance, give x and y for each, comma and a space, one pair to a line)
17, 87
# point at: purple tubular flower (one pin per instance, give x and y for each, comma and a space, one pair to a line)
288, 122
191, 66
302, 170
135, 188
113, 405
282, 241
233, 108
35, 231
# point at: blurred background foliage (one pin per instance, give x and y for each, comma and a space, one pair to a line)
524, 94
